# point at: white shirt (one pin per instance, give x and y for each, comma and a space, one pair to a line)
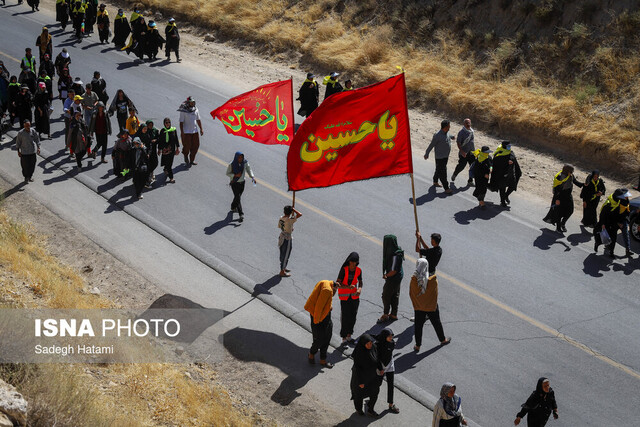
189, 121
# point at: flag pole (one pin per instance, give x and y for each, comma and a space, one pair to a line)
415, 208
293, 121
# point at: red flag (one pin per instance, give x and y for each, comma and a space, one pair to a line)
353, 135
263, 115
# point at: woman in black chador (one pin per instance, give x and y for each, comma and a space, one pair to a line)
539, 405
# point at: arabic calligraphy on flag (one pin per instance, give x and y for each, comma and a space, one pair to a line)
263, 115
353, 135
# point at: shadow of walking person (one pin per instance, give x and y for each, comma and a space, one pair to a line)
227, 220
583, 237
465, 217
250, 345
12, 190
265, 287
549, 238
410, 360
594, 265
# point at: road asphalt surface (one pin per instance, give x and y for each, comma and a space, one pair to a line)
519, 300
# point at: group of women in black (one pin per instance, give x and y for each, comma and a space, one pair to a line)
614, 213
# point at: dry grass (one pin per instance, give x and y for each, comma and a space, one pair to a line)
499, 90
98, 395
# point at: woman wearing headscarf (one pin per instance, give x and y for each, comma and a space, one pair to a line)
62, 13
506, 172
392, 257
236, 171
539, 405
365, 374
169, 147
590, 194
120, 105
65, 81
120, 154
100, 126
102, 19
121, 29
77, 138
42, 102
140, 168
45, 44
153, 41
562, 201
448, 409
319, 306
423, 291
614, 216
154, 134
385, 346
350, 279
481, 172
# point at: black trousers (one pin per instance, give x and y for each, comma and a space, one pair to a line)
139, 180
285, 252
441, 173
79, 157
590, 212
101, 142
348, 314
469, 159
390, 387
391, 294
122, 121
321, 333
370, 390
28, 163
505, 191
167, 163
480, 192
238, 189
169, 48
434, 317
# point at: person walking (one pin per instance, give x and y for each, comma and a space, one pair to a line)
169, 147
319, 306
99, 86
48, 83
45, 44
47, 66
64, 87
153, 41
236, 172
365, 375
62, 62
78, 13
62, 13
349, 290
433, 253
285, 240
140, 166
441, 144
24, 105
309, 96
332, 84
89, 101
189, 124
100, 126
154, 134
77, 139
121, 29
172, 37
133, 123
448, 409
392, 273
42, 104
121, 155
385, 346
614, 216
120, 105
90, 15
103, 22
590, 194
423, 291
13, 89
481, 173
28, 146
28, 74
466, 146
539, 406
562, 201
506, 172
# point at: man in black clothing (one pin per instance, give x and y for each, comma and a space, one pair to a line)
433, 253
99, 86
309, 95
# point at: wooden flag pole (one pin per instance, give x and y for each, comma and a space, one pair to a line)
415, 207
293, 203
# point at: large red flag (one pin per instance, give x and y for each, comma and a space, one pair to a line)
263, 115
353, 135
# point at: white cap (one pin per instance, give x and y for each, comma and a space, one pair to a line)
625, 195
334, 74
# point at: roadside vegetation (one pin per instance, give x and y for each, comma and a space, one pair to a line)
562, 74
96, 395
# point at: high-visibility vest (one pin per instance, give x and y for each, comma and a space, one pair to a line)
345, 293
30, 64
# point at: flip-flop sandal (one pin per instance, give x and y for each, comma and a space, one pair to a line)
445, 342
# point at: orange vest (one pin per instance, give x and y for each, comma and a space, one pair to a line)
345, 293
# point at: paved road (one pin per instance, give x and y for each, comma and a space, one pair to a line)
508, 285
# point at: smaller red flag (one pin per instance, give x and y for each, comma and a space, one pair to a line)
263, 115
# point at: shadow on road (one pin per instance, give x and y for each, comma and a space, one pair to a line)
216, 226
12, 191
129, 64
410, 360
359, 420
583, 237
549, 238
265, 347
594, 265
162, 63
429, 196
475, 213
265, 287
89, 46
